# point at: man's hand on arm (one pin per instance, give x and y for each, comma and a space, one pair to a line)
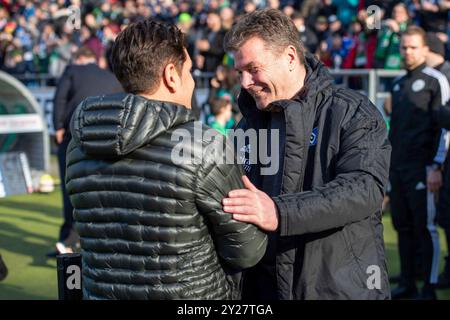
253, 206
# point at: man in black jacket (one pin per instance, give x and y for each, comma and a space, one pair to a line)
323, 205
80, 80
152, 225
418, 99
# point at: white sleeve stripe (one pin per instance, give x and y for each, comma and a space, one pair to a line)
443, 83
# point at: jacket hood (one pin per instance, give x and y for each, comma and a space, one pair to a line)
318, 78
115, 125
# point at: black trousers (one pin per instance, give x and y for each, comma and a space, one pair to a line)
67, 205
414, 217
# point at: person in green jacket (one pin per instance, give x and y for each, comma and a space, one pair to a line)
387, 53
221, 110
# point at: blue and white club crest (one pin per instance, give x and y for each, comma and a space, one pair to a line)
418, 85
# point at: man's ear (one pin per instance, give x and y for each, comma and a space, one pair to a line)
171, 78
291, 54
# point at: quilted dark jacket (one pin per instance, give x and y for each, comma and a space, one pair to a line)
334, 164
151, 229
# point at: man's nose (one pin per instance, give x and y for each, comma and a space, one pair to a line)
246, 80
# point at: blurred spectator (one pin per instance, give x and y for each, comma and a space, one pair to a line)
209, 47
387, 53
323, 54
225, 82
227, 18
249, 6
346, 10
61, 55
327, 8
434, 17
310, 9
362, 42
357, 53
321, 28
185, 24
273, 4
307, 36
91, 41
289, 11
221, 110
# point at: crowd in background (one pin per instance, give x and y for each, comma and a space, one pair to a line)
42, 36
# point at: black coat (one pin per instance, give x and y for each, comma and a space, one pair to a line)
150, 228
334, 164
76, 84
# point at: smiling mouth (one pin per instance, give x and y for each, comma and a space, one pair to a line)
258, 92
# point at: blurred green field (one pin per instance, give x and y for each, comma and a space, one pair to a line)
29, 225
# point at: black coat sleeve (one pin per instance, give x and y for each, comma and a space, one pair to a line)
240, 245
61, 99
357, 190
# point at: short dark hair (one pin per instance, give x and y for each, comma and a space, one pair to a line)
141, 52
218, 104
435, 44
272, 26
85, 52
297, 15
416, 30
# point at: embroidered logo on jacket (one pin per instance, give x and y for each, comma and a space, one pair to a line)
418, 85
313, 139
245, 157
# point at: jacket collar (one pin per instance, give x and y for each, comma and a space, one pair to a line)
417, 70
115, 125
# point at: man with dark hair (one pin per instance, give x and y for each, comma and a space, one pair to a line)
80, 80
323, 206
151, 226
417, 103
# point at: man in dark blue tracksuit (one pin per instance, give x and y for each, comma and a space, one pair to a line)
418, 98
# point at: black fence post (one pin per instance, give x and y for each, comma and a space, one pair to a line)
69, 276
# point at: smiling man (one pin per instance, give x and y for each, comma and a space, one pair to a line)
151, 227
323, 206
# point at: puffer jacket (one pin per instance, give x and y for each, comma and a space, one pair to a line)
150, 228
334, 164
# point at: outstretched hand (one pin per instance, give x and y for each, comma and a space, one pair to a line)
253, 206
